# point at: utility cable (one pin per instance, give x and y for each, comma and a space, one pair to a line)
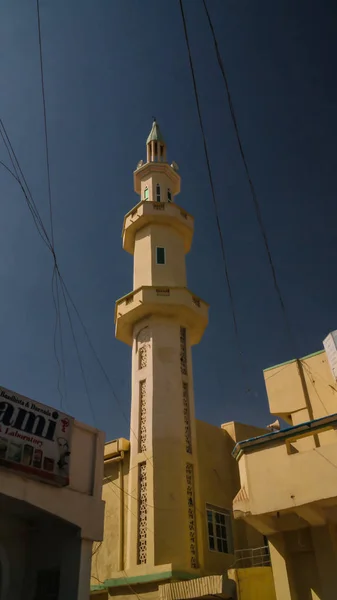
44, 235
252, 188
58, 324
79, 357
223, 251
45, 122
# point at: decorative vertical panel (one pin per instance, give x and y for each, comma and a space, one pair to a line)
142, 416
187, 420
142, 516
191, 516
142, 357
143, 344
183, 355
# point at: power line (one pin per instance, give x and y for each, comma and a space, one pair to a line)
24, 186
79, 357
251, 185
58, 324
45, 122
65, 291
223, 251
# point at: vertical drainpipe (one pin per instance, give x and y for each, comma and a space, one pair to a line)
121, 515
307, 398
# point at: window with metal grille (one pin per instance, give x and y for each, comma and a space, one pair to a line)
146, 193
160, 256
219, 528
158, 192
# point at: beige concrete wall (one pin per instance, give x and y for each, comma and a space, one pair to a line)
310, 476
299, 391
146, 269
150, 181
254, 583
219, 483
79, 503
105, 555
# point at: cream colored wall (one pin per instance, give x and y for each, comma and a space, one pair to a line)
165, 454
219, 483
151, 181
79, 503
304, 391
142, 271
146, 270
105, 559
311, 476
304, 563
254, 583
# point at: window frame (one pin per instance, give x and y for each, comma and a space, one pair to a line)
146, 193
169, 195
160, 248
158, 194
227, 524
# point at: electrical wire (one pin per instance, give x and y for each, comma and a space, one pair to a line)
215, 204
79, 357
58, 324
252, 188
45, 123
39, 225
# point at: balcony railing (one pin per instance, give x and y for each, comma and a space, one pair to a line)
252, 557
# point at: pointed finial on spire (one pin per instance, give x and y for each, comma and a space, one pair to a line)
155, 134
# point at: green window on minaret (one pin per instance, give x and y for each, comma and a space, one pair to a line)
146, 193
160, 256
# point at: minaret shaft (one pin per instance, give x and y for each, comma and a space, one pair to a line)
161, 319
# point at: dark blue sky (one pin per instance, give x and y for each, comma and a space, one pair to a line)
109, 66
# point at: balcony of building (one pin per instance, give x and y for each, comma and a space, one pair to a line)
288, 478
162, 213
171, 302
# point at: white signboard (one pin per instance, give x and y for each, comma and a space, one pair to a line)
330, 346
34, 439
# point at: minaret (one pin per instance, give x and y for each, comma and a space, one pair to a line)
161, 319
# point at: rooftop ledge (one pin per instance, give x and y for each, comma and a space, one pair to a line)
274, 438
171, 302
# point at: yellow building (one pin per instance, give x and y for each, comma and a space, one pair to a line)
289, 477
169, 530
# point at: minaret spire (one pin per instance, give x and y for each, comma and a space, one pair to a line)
156, 147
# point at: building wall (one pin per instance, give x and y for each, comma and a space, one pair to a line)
303, 390
32, 541
253, 583
146, 270
105, 556
13, 542
304, 563
219, 483
150, 181
79, 503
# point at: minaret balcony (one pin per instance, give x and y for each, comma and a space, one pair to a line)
171, 302
159, 213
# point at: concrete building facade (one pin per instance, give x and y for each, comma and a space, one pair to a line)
51, 507
289, 482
